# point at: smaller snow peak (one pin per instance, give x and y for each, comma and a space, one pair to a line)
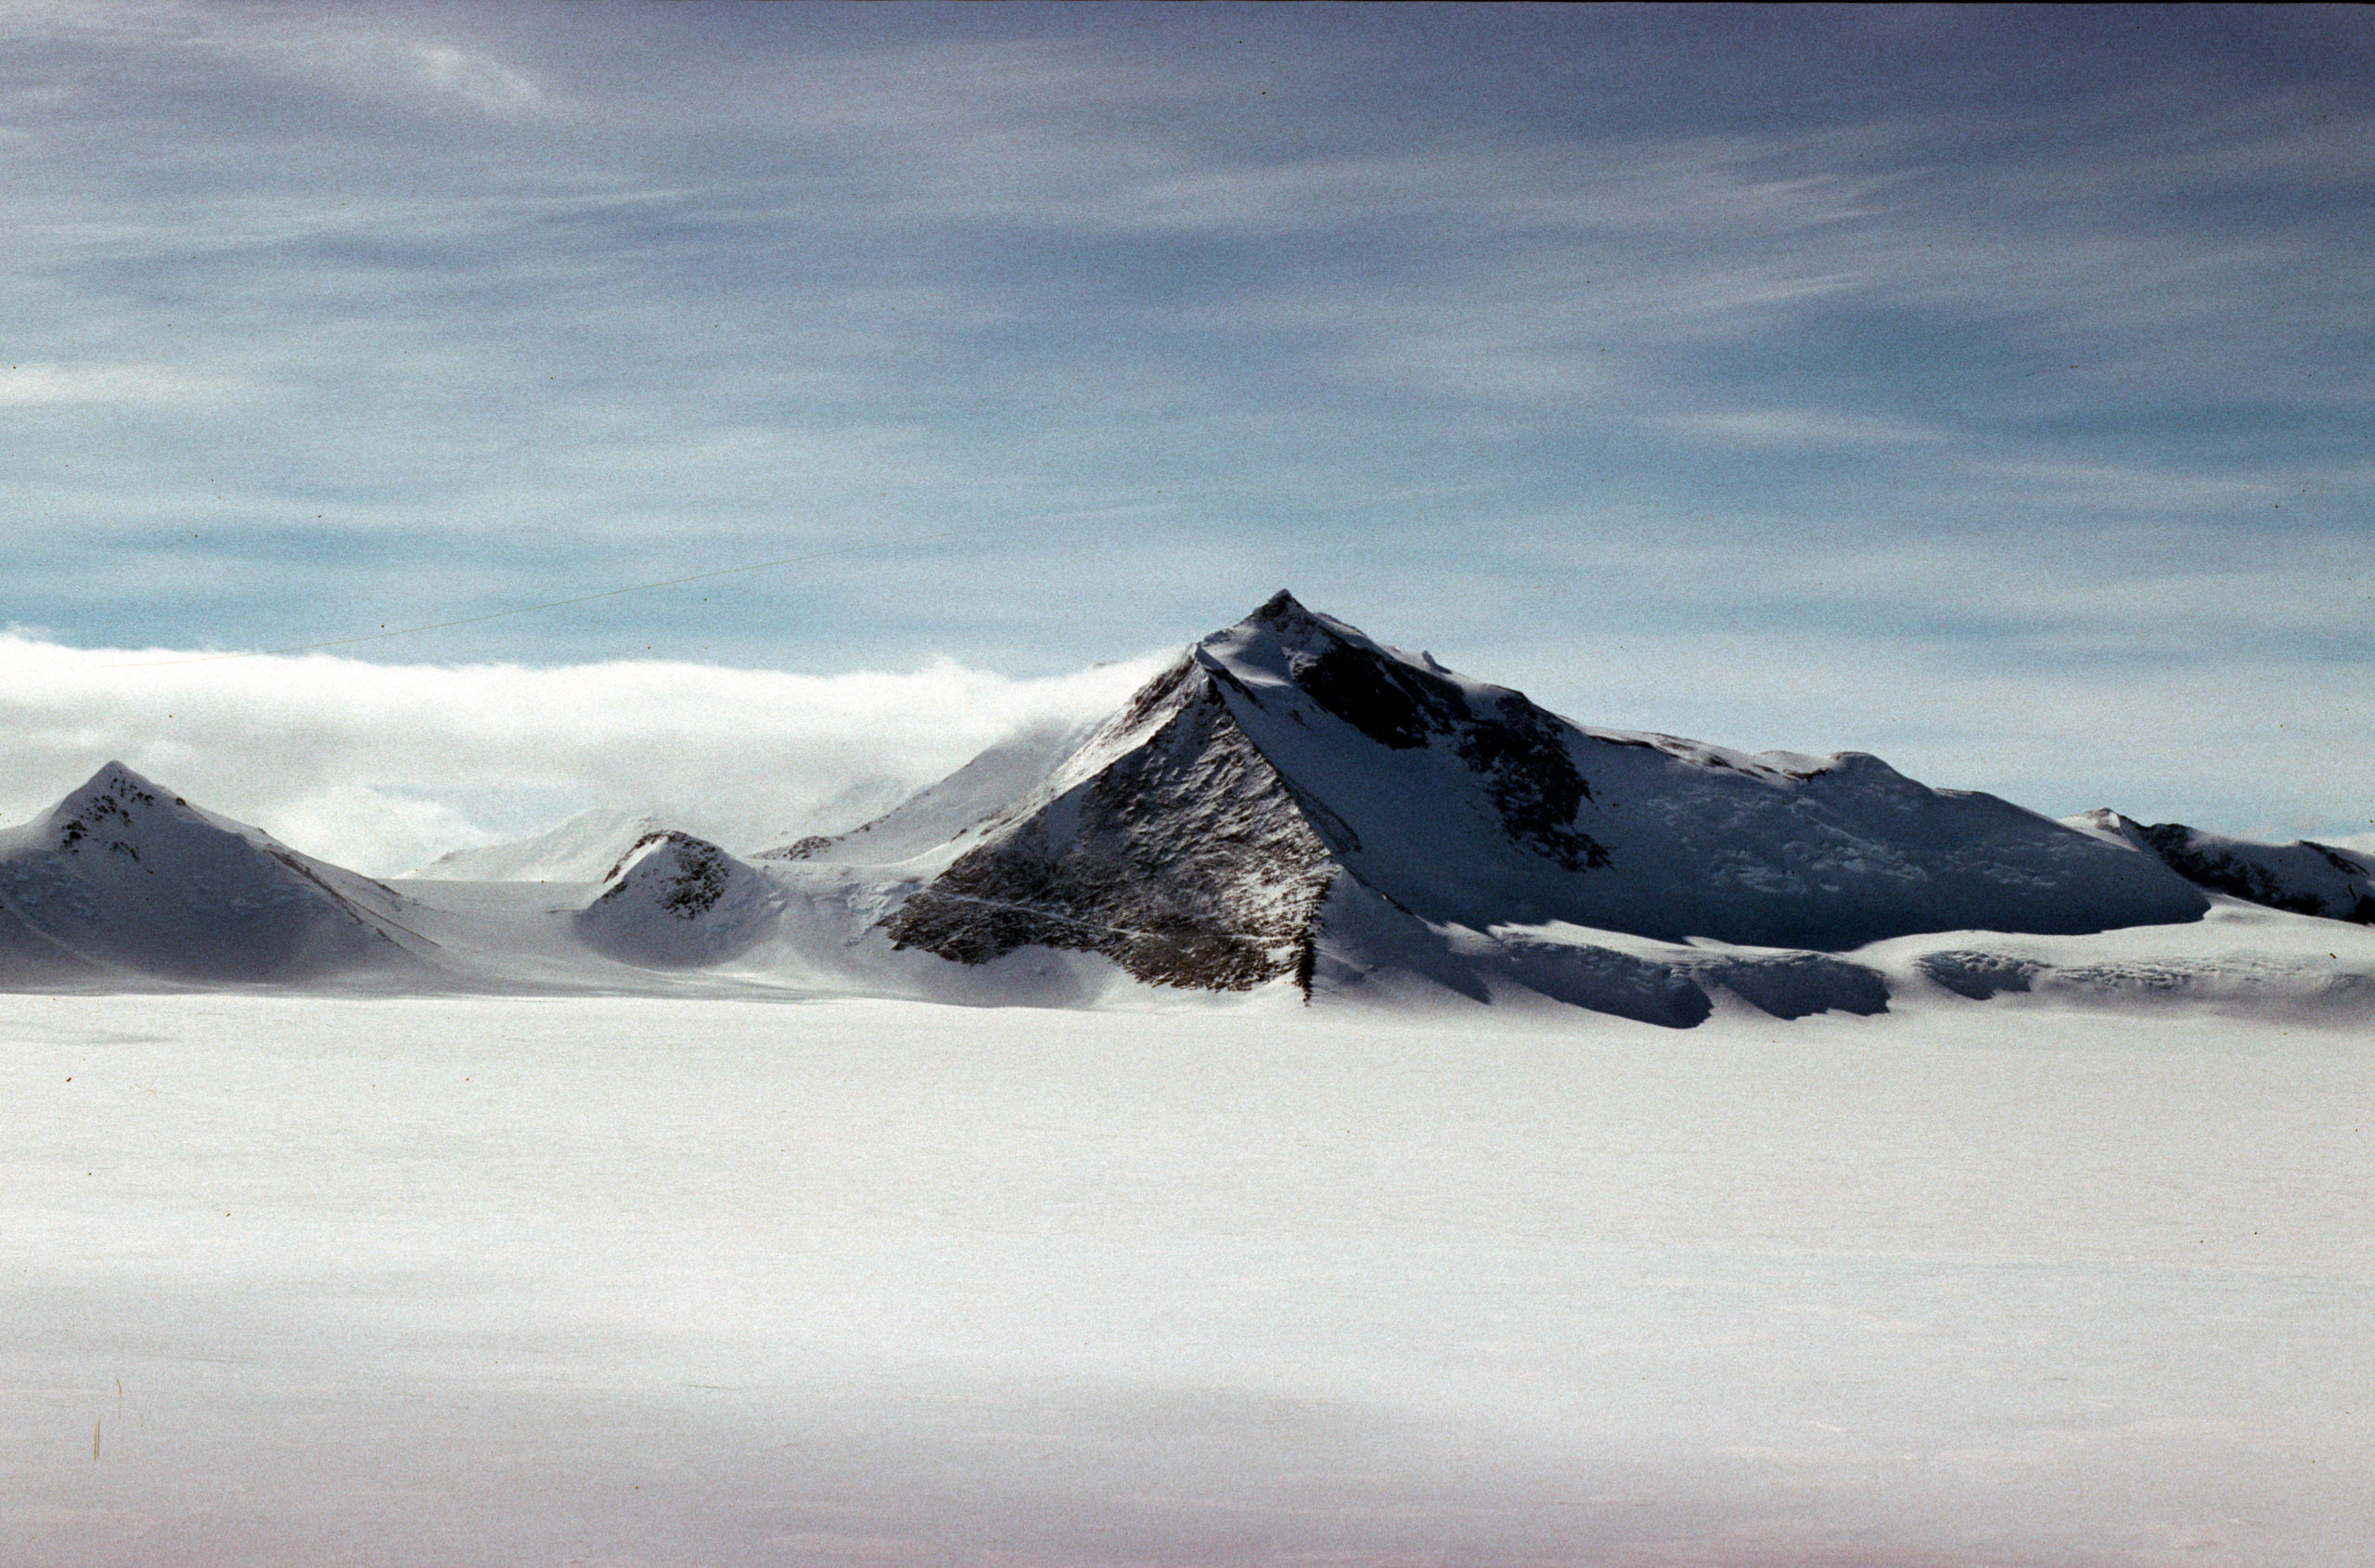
677, 902
108, 805
684, 875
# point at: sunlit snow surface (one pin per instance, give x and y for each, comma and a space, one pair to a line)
614, 1280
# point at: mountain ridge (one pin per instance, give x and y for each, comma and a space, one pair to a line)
1290, 807
1460, 802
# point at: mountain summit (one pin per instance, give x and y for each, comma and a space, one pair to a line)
1290, 780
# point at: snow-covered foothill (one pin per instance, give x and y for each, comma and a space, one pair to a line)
123, 876
2305, 877
1367, 948
675, 901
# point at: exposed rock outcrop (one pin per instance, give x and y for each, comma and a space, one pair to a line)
2304, 877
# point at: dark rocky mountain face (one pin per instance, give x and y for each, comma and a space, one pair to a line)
2305, 878
1183, 857
1519, 751
688, 878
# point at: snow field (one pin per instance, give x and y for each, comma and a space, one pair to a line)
641, 1281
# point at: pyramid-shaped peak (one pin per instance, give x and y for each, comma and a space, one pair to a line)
129, 875
114, 794
1284, 616
1283, 623
1280, 608
115, 778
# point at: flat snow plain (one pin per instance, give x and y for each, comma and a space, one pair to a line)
612, 1281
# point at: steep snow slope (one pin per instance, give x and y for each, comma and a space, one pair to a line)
123, 875
943, 817
2305, 878
1200, 835
581, 850
675, 901
1466, 803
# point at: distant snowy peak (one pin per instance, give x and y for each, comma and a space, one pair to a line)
2304, 877
949, 812
580, 850
672, 900
125, 874
1204, 832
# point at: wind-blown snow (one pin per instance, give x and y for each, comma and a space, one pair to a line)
944, 816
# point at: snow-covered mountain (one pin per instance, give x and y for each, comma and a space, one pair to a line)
675, 901
1289, 811
1290, 789
2305, 878
124, 876
583, 849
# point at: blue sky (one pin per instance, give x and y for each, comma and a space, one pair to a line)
1986, 389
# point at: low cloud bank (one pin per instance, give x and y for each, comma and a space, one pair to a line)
383, 767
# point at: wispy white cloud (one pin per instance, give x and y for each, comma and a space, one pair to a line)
1804, 428
31, 384
478, 78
